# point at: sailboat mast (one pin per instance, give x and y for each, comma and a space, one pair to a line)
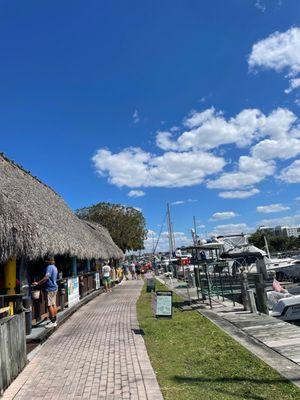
170, 231
195, 230
267, 247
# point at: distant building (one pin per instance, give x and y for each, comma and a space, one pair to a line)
285, 231
288, 231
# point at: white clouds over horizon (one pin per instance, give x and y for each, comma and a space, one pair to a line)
134, 167
291, 220
271, 208
223, 215
239, 194
231, 229
181, 239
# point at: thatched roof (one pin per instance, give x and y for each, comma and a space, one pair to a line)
35, 221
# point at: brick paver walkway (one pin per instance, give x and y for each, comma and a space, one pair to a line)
97, 354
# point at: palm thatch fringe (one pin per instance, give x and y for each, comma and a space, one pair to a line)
35, 221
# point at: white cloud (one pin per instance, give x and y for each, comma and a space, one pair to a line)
284, 149
179, 202
239, 194
231, 229
271, 208
223, 215
291, 174
136, 193
279, 51
284, 136
164, 141
134, 167
250, 171
135, 117
209, 129
278, 124
187, 159
260, 5
163, 245
294, 84
214, 130
292, 220
196, 119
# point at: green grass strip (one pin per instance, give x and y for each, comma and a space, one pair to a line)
194, 360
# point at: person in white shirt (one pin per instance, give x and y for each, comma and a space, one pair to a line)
106, 271
132, 270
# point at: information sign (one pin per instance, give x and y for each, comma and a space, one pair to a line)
73, 291
97, 280
164, 304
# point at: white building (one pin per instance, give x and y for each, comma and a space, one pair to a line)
288, 231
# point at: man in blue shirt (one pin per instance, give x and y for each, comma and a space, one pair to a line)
49, 283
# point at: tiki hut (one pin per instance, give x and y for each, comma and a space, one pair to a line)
35, 221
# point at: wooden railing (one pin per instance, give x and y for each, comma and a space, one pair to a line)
87, 284
39, 306
12, 348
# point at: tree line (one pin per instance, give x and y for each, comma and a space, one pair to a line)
276, 243
126, 225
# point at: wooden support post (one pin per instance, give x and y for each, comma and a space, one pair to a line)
252, 302
261, 295
10, 277
244, 288
74, 266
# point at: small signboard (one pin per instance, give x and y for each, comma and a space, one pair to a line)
164, 304
73, 291
97, 280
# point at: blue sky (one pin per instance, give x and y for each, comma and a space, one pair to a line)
195, 103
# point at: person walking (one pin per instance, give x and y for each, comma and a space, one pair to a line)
106, 271
125, 270
49, 284
132, 270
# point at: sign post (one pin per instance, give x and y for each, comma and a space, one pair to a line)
164, 304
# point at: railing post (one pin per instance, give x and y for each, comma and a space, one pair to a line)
261, 295
244, 288
252, 302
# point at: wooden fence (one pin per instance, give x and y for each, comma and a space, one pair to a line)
12, 348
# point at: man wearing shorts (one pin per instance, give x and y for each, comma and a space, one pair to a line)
49, 283
106, 270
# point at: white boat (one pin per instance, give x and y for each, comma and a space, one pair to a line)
284, 268
284, 306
